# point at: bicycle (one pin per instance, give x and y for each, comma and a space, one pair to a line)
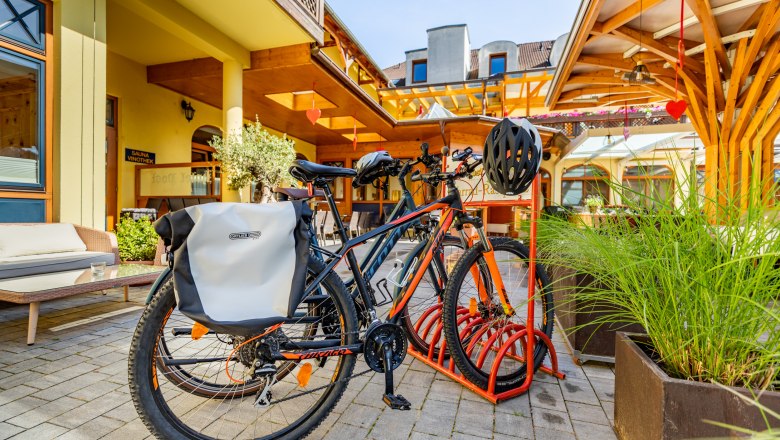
252, 397
433, 283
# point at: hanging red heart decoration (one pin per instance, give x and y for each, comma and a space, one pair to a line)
676, 108
313, 114
626, 133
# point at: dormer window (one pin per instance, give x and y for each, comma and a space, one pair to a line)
419, 71
497, 63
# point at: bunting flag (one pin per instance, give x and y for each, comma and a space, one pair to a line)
354, 134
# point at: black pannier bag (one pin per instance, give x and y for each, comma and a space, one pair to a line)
238, 267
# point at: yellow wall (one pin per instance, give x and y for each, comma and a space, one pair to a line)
79, 106
150, 119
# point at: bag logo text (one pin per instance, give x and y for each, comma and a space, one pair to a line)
254, 235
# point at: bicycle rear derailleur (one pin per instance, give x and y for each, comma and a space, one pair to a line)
384, 350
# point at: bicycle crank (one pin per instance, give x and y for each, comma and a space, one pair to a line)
384, 349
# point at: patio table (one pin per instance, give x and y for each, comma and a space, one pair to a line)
33, 289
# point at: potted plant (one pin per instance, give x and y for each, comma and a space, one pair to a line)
136, 240
254, 156
594, 203
703, 286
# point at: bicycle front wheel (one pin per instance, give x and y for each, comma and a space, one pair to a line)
476, 324
203, 387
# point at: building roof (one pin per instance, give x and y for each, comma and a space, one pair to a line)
530, 56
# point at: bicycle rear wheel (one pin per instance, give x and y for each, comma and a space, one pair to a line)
475, 324
206, 388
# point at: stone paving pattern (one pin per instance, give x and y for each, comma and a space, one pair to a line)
72, 384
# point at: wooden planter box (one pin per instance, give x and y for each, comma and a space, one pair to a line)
653, 406
590, 342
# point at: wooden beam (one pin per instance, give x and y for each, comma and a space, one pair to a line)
703, 11
624, 16
580, 35
198, 68
669, 54
296, 55
720, 10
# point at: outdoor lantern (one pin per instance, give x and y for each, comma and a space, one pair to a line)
189, 111
639, 75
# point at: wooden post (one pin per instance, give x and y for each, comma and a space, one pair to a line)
32, 323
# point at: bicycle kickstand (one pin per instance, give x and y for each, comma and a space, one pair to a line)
394, 401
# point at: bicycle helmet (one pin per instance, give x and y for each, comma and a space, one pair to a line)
370, 167
512, 156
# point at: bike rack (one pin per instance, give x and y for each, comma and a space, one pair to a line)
501, 341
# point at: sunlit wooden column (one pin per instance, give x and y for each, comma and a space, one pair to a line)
232, 113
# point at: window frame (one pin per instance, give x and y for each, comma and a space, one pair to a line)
22, 59
606, 177
490, 63
415, 63
649, 179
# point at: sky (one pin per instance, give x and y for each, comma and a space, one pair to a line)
388, 29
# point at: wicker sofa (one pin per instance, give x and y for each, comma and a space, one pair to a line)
30, 249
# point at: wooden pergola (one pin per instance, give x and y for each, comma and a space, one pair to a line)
729, 77
511, 94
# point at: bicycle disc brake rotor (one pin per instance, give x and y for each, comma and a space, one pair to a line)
376, 338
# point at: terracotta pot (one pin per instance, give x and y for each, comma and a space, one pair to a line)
587, 341
650, 405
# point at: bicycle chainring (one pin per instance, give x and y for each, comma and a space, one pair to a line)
376, 337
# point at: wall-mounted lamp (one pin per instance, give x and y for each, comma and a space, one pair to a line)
189, 112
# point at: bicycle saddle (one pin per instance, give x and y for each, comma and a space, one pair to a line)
306, 171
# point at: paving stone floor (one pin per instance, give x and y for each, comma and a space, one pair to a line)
72, 384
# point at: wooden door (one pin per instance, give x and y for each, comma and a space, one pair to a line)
112, 185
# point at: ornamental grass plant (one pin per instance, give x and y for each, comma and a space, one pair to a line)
704, 285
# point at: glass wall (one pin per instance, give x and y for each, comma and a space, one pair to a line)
580, 181
648, 186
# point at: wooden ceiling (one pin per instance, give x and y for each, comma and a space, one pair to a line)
606, 38
299, 69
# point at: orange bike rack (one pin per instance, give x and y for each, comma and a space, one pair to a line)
502, 341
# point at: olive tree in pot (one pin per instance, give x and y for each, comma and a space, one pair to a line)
704, 286
254, 156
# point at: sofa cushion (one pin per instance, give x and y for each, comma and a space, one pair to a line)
45, 238
52, 262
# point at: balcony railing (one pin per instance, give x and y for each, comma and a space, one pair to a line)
313, 8
574, 126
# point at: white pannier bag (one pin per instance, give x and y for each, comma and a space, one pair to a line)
238, 267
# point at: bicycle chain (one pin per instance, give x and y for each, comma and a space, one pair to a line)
346, 379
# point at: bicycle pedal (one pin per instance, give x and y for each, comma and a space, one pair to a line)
397, 401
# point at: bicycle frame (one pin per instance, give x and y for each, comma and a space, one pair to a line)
453, 213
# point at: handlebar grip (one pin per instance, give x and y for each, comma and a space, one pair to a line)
424, 149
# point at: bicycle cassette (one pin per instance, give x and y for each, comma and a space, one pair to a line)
376, 338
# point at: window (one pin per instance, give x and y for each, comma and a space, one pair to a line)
22, 134
22, 22
419, 71
338, 183
497, 63
650, 186
545, 181
581, 181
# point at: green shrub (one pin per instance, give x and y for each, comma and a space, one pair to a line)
137, 239
705, 291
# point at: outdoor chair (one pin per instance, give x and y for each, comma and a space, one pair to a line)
328, 228
353, 224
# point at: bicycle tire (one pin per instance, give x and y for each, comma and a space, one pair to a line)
157, 415
458, 353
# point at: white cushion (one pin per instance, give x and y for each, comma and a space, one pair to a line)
45, 238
